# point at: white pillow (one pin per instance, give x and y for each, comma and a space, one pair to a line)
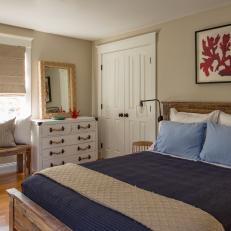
158, 131
224, 119
22, 132
185, 117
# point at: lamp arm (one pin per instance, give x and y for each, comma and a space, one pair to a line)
160, 117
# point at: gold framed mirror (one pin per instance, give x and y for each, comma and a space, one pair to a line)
57, 89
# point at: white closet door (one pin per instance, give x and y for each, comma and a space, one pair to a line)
112, 126
128, 76
139, 84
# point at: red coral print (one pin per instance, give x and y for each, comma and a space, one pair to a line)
216, 55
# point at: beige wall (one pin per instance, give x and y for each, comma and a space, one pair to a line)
62, 49
175, 60
176, 57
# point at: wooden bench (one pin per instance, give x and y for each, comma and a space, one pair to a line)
23, 153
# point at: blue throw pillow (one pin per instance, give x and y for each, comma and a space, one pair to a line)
181, 139
217, 146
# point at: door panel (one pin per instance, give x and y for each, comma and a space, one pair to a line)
112, 126
139, 84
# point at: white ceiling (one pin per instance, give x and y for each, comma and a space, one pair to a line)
96, 19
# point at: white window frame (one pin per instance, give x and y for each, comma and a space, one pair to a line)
26, 42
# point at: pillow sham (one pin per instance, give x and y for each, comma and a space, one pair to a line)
181, 139
7, 134
224, 119
151, 148
217, 146
185, 117
22, 133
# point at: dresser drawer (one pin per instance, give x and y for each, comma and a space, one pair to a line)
85, 148
59, 152
86, 137
83, 127
56, 129
58, 161
58, 141
86, 158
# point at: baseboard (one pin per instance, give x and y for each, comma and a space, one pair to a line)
8, 167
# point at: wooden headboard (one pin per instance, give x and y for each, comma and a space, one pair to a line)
195, 107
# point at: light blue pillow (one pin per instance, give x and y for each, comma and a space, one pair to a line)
217, 146
181, 139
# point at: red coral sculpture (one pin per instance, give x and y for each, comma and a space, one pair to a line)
217, 58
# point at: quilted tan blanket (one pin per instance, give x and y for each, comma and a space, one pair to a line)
158, 213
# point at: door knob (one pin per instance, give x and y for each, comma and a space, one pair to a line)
126, 115
121, 114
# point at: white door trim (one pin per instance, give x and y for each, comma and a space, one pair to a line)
133, 42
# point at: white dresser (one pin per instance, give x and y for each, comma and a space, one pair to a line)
66, 141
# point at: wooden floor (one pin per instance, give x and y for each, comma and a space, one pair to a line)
9, 180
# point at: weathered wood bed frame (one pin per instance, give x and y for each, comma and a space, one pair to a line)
26, 215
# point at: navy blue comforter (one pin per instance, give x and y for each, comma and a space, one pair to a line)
199, 184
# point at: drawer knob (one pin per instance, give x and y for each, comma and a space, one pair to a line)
84, 138
57, 153
57, 129
85, 158
57, 142
83, 149
84, 127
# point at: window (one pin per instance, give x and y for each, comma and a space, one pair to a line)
13, 105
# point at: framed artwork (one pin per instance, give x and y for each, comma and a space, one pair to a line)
48, 89
213, 55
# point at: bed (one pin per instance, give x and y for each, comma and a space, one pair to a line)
201, 185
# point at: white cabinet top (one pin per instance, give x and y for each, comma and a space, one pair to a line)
67, 120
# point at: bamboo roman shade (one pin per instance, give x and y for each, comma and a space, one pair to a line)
12, 69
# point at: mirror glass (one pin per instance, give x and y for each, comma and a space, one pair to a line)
57, 90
